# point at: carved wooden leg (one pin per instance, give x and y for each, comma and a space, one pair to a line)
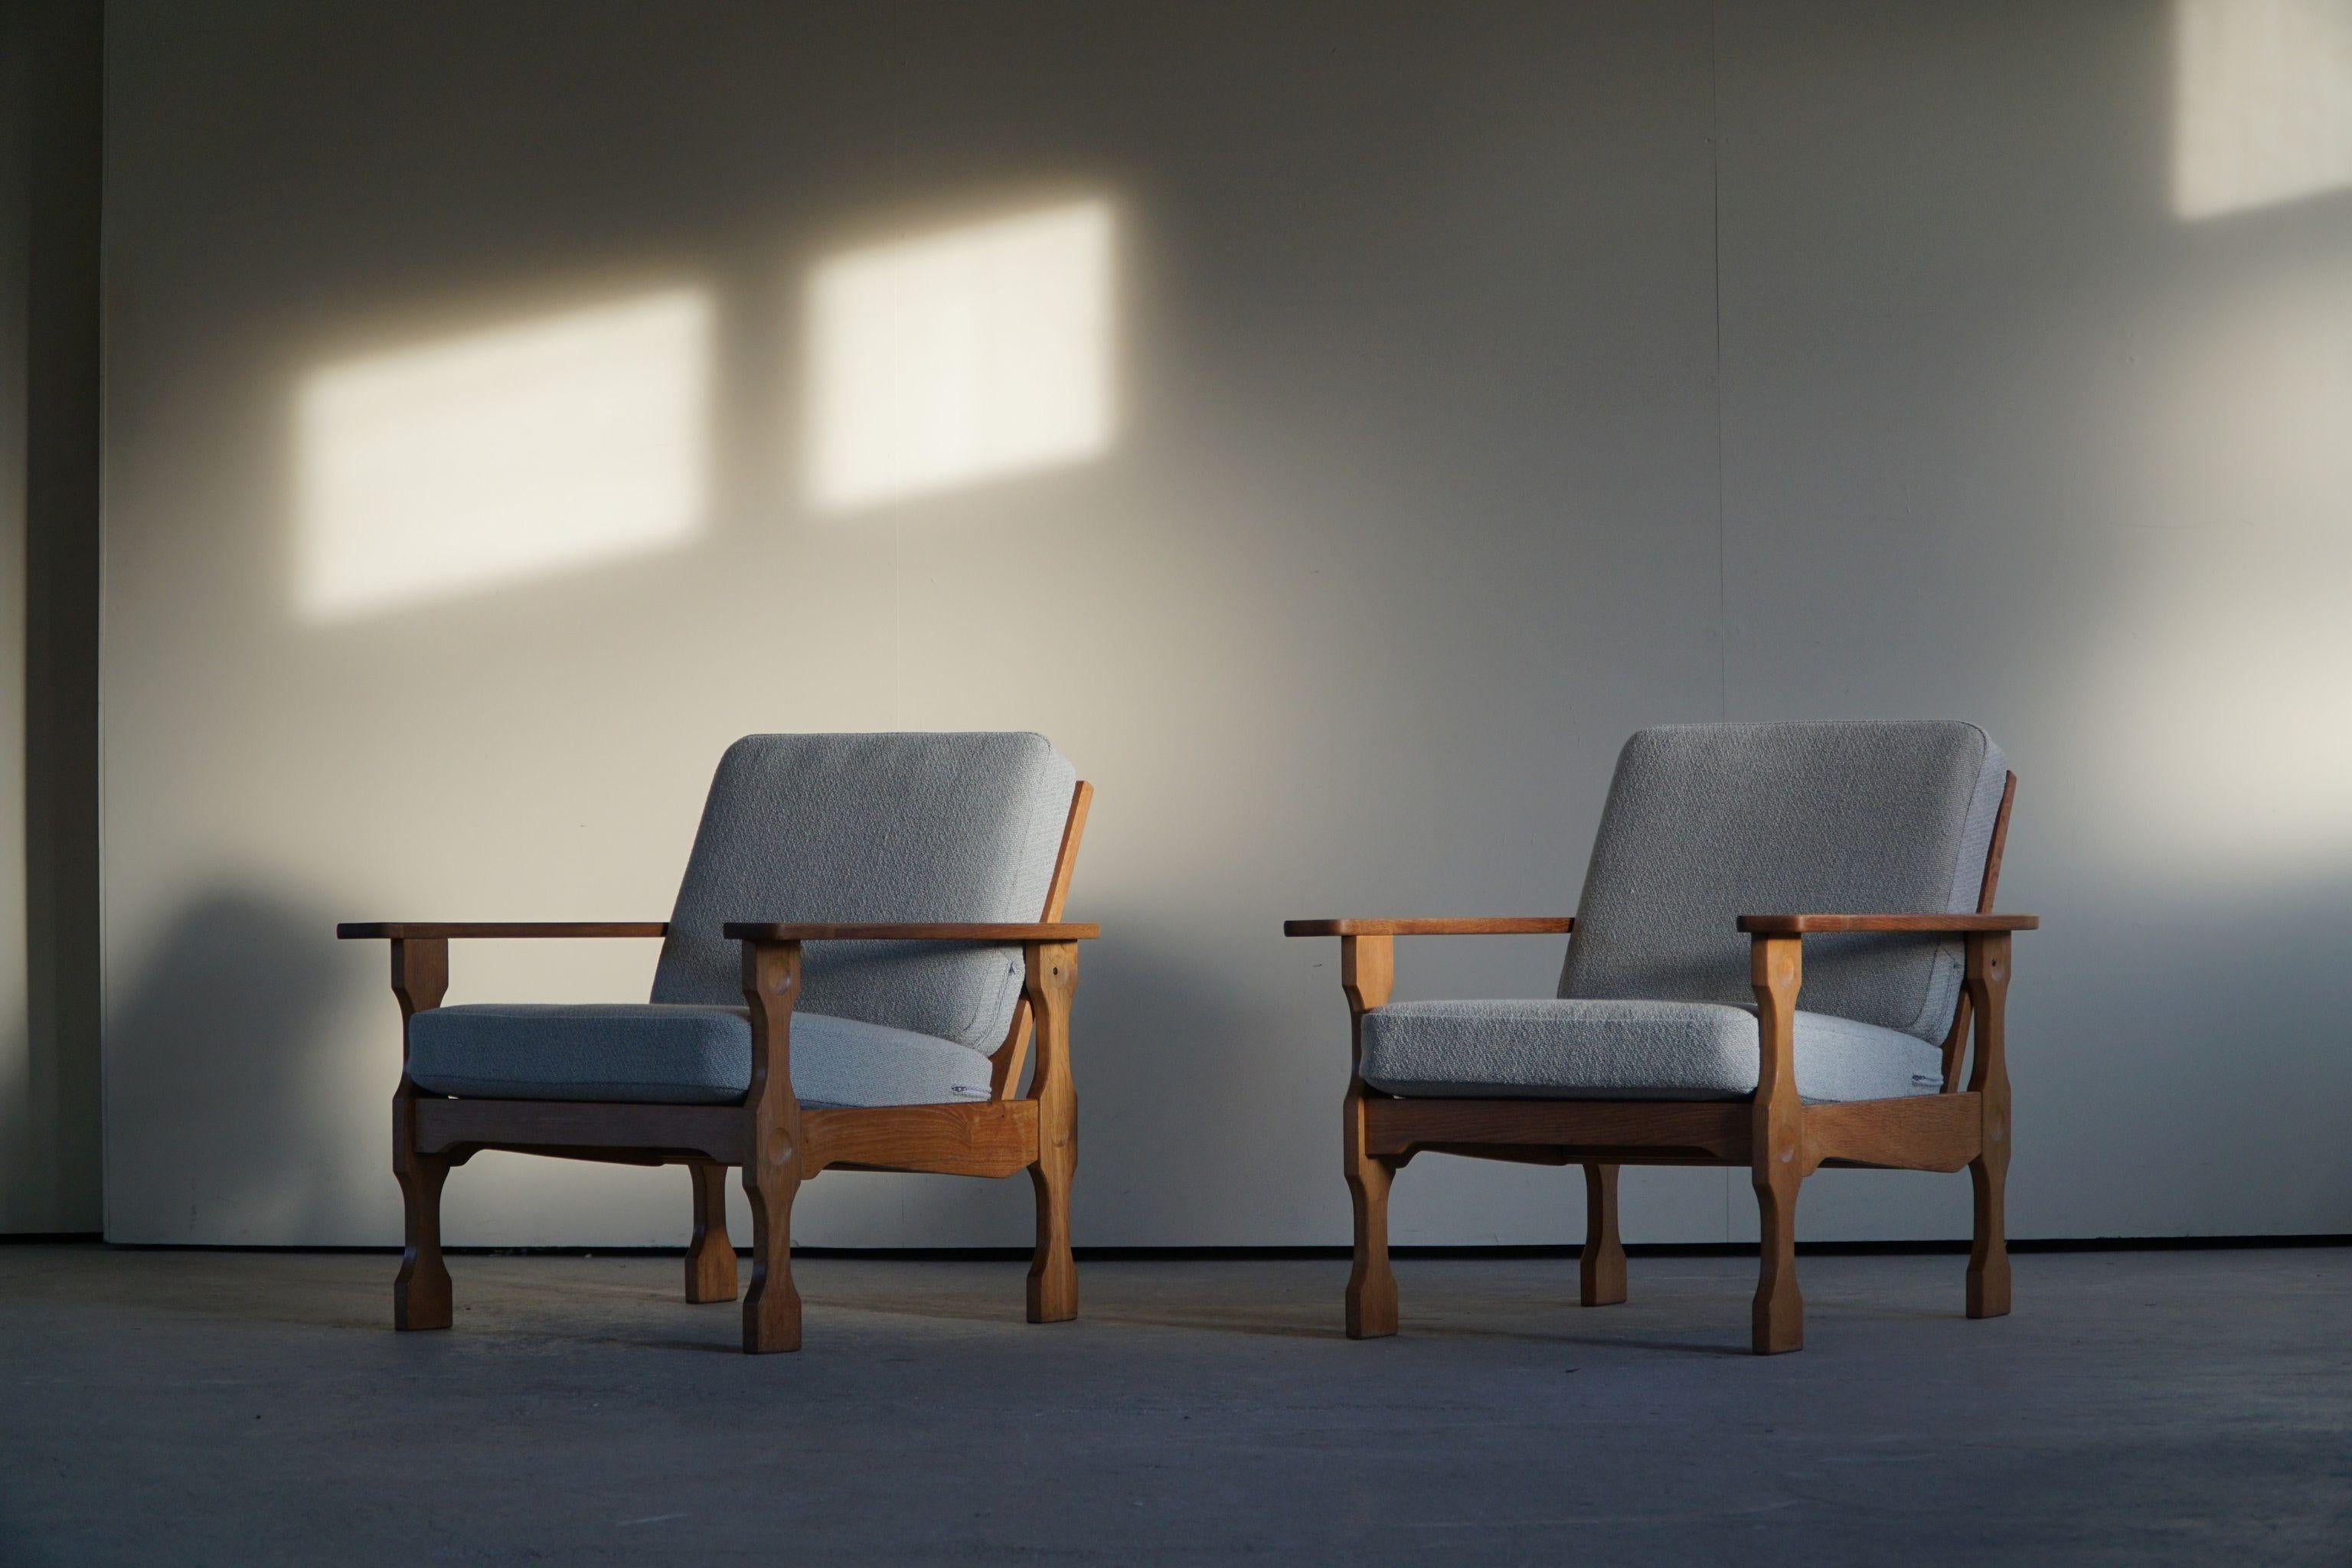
1987, 983
772, 1165
1053, 1274
1051, 978
710, 1261
1366, 974
1600, 1268
420, 1294
1371, 1286
771, 1309
1779, 1310
1777, 1149
1989, 1255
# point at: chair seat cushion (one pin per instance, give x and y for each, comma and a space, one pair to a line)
1572, 1049
676, 1055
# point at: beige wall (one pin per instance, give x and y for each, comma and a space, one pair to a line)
1483, 384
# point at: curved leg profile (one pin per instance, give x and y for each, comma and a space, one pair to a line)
420, 1294
1989, 1255
1601, 1267
1052, 1273
1371, 1285
711, 1260
1051, 978
1779, 1310
771, 1308
1777, 1133
1987, 983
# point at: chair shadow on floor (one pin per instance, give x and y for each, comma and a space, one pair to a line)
1311, 1318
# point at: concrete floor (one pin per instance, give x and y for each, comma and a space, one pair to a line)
254, 1408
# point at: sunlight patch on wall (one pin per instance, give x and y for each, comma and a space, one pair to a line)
2214, 695
503, 455
2219, 696
973, 353
2261, 102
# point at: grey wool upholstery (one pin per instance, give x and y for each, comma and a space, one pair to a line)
874, 827
1628, 1050
817, 828
676, 1055
1705, 823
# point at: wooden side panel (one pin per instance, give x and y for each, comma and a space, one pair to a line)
1620, 1131
708, 1132
998, 1138
1927, 1133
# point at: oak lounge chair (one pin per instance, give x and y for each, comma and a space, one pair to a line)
1676, 1037
925, 876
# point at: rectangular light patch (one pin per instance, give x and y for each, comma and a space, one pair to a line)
2261, 102
503, 455
966, 355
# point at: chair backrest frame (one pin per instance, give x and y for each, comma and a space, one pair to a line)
1006, 1062
1955, 1042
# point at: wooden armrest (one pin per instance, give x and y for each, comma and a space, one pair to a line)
936, 931
422, 930
1937, 925
1504, 925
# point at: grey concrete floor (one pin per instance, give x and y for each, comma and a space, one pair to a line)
255, 1408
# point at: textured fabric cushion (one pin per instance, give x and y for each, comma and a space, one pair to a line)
1708, 822
1628, 1050
874, 827
675, 1056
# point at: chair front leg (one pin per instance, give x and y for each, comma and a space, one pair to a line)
1371, 1302
1368, 974
772, 1165
1051, 977
1601, 1267
710, 1261
1777, 1144
771, 1309
421, 1297
1988, 985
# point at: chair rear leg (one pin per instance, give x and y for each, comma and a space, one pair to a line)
710, 1261
420, 1293
1601, 1267
771, 1308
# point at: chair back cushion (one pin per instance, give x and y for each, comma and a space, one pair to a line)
1708, 822
874, 827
